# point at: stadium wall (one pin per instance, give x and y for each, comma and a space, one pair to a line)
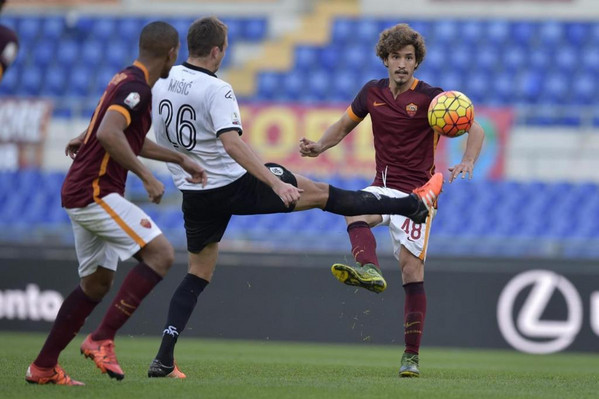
531, 305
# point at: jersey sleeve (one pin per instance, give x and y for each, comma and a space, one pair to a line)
132, 98
359, 107
224, 110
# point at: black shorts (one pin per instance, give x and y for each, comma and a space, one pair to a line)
207, 212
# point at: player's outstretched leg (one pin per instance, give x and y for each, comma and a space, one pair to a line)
409, 365
427, 196
157, 369
367, 276
51, 375
102, 353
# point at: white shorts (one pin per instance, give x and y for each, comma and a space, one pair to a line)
402, 229
107, 230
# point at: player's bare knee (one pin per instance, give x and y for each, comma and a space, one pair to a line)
159, 255
98, 284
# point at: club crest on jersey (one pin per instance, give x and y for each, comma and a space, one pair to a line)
276, 170
411, 109
145, 223
132, 99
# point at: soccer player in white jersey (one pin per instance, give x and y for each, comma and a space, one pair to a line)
196, 113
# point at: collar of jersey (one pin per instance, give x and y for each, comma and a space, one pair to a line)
197, 68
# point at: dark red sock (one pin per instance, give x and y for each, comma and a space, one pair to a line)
363, 243
138, 283
71, 316
414, 314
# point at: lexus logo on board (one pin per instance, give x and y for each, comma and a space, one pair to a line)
523, 327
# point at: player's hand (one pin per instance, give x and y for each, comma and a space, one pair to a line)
309, 148
463, 168
154, 188
288, 193
73, 147
198, 174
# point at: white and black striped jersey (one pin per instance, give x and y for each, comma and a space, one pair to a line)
190, 109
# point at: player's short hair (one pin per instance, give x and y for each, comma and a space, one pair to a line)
204, 34
396, 38
157, 39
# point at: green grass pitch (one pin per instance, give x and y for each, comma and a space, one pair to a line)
278, 370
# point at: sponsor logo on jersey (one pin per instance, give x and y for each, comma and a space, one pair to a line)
132, 99
145, 223
235, 119
276, 170
378, 104
411, 109
229, 95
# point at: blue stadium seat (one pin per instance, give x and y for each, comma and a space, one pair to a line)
498, 31
353, 57
118, 55
446, 31
269, 83
255, 29
487, 59
568, 60
472, 31
318, 83
44, 52
366, 31
53, 27
306, 57
555, 89
523, 32
343, 30
551, 33
31, 80
577, 33
92, 52
294, 83
104, 28
80, 81
514, 59
102, 79
54, 82
130, 27
330, 56
67, 52
28, 28
590, 58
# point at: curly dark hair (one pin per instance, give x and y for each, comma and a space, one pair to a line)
397, 37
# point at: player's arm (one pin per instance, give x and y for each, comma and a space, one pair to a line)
330, 138
474, 144
111, 134
241, 152
151, 150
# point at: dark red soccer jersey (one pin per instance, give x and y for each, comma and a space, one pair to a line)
94, 174
404, 143
9, 45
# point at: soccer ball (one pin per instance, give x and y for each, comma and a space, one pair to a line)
451, 113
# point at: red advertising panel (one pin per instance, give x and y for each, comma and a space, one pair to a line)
275, 131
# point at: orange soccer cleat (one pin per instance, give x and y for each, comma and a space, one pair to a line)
102, 353
50, 375
427, 195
